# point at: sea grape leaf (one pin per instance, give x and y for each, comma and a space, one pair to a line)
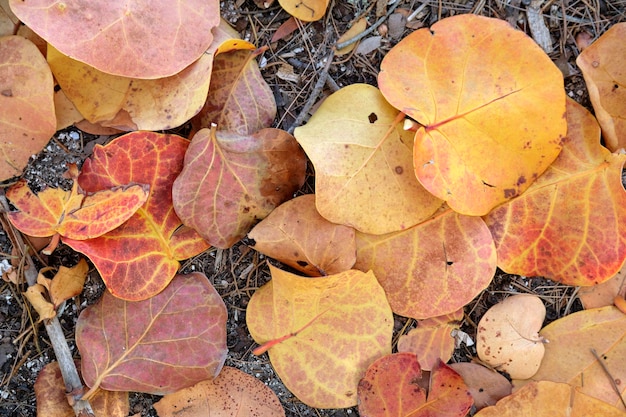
36, 295
8, 21
508, 336
67, 282
570, 225
52, 398
160, 345
74, 214
65, 111
548, 399
305, 10
363, 163
138, 259
602, 65
232, 394
485, 385
433, 268
492, 106
569, 357
27, 121
324, 332
231, 181
239, 99
432, 341
603, 294
390, 388
296, 235
121, 38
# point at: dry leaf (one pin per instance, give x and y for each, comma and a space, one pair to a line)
486, 385
36, 295
355, 30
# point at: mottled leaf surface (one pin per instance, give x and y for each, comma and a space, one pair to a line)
161, 345
492, 106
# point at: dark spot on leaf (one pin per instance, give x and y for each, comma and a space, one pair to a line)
372, 117
449, 263
57, 87
399, 170
521, 180
480, 390
7, 93
302, 263
615, 87
510, 193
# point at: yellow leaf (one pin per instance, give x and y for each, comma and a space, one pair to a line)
356, 29
305, 10
68, 282
36, 296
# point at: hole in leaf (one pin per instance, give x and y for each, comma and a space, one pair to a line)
372, 117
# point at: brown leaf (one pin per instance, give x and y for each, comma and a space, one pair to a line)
603, 294
36, 295
486, 385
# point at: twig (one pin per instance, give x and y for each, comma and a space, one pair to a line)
608, 374
73, 384
369, 29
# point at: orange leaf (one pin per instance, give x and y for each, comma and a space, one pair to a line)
138, 259
325, 332
570, 225
433, 268
125, 39
549, 399
305, 10
569, 357
161, 345
73, 214
602, 65
296, 235
52, 398
355, 30
285, 29
390, 388
67, 282
485, 385
26, 98
230, 181
492, 104
232, 394
363, 163
36, 296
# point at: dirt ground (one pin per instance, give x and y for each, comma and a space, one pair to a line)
292, 67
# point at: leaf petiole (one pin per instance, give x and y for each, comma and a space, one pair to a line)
269, 344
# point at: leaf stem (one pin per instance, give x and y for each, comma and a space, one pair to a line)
267, 345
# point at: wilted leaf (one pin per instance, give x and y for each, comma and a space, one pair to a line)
232, 394
569, 357
138, 259
602, 65
432, 340
485, 385
74, 214
508, 336
363, 163
390, 388
570, 225
36, 295
549, 399
296, 235
239, 99
124, 38
27, 121
161, 345
230, 181
355, 30
305, 10
602, 295
433, 268
67, 282
52, 398
326, 332
492, 104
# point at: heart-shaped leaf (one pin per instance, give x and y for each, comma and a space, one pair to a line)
479, 87
323, 332
138, 259
570, 225
161, 345
363, 163
231, 181
508, 336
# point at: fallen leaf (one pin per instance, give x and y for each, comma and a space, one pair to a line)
121, 38
508, 336
67, 282
239, 100
230, 181
363, 163
52, 398
486, 386
390, 388
305, 10
569, 357
492, 106
27, 121
36, 295
285, 29
8, 21
138, 259
232, 394
324, 332
161, 345
603, 294
548, 399
602, 65
358, 27
431, 269
296, 235
570, 225
66, 112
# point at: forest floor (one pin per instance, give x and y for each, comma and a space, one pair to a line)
291, 66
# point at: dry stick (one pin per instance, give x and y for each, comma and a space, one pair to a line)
368, 30
73, 384
608, 374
